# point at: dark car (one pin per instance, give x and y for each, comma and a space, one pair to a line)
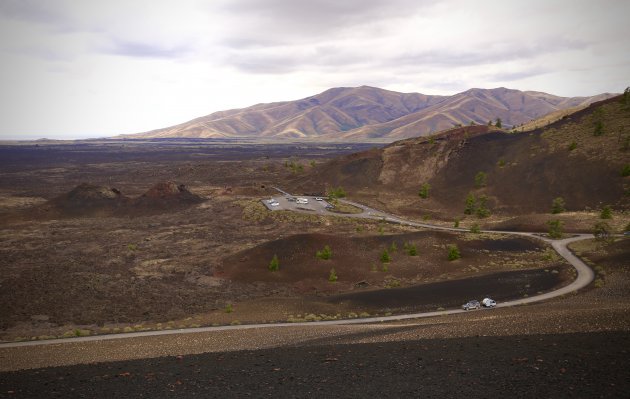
474, 304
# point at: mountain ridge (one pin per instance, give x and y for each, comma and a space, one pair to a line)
370, 113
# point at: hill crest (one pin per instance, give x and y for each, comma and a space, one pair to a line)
368, 113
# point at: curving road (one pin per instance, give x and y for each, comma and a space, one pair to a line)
585, 276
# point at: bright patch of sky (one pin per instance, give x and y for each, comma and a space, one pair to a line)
78, 69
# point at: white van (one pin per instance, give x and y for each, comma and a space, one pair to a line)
302, 201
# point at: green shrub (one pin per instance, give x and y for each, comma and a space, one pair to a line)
456, 223
572, 146
338, 192
557, 205
482, 211
480, 179
229, 308
332, 277
424, 190
471, 204
393, 247
501, 163
411, 249
385, 257
274, 265
555, 228
453, 252
475, 228
324, 254
625, 171
606, 212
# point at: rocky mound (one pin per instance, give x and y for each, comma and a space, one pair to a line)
89, 200
167, 194
86, 199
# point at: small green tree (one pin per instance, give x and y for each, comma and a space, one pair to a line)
475, 228
456, 223
572, 146
498, 123
482, 211
324, 254
480, 179
229, 308
626, 97
385, 257
274, 265
606, 212
424, 190
555, 228
453, 252
501, 163
602, 231
625, 171
332, 277
557, 205
411, 249
471, 204
599, 128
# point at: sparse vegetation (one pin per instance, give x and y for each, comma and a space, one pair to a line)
411, 249
606, 212
132, 247
475, 228
598, 115
625, 171
453, 252
338, 192
386, 257
332, 277
557, 205
274, 265
229, 308
471, 204
482, 211
602, 231
480, 179
555, 228
393, 247
501, 163
572, 146
424, 191
456, 223
324, 254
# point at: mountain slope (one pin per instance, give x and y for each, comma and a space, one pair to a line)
361, 113
523, 172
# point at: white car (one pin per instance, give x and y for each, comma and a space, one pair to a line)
275, 203
488, 303
270, 201
302, 201
318, 199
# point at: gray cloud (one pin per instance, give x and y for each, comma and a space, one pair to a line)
289, 21
45, 13
142, 49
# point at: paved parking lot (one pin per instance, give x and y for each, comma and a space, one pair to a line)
285, 204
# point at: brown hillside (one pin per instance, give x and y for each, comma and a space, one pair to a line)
525, 171
369, 113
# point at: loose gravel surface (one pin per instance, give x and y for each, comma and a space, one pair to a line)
551, 366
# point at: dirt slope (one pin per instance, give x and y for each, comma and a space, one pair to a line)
524, 172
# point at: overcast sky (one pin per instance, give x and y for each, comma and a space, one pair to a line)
77, 69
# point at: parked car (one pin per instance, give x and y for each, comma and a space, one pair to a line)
302, 201
474, 304
275, 203
291, 199
269, 201
318, 199
488, 303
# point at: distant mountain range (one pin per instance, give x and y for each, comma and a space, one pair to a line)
361, 113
